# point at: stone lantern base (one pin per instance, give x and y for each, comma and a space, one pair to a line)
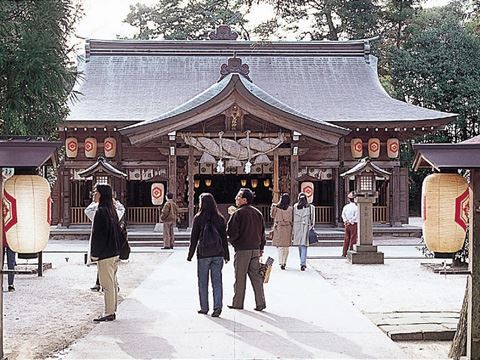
365, 254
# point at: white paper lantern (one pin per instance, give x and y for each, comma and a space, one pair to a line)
110, 147
307, 187
158, 193
27, 223
374, 148
393, 148
356, 147
71, 147
90, 147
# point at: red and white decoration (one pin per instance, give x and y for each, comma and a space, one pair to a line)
158, 193
374, 148
356, 146
110, 147
90, 147
71, 146
27, 213
307, 187
393, 148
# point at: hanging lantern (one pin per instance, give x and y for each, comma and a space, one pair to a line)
90, 147
110, 147
393, 148
254, 183
266, 183
243, 182
208, 182
374, 148
71, 147
307, 187
262, 159
445, 206
207, 159
158, 193
196, 183
356, 146
28, 213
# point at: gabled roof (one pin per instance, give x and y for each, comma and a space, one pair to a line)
102, 166
366, 165
336, 82
239, 90
464, 155
27, 152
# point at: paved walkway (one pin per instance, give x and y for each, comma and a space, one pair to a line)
305, 318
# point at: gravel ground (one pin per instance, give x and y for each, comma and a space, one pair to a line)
46, 314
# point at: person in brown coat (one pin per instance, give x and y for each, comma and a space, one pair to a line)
282, 215
169, 217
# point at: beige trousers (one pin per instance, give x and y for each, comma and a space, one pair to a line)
247, 262
282, 255
107, 274
168, 236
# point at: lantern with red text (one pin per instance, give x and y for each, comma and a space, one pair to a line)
356, 146
445, 206
393, 148
373, 148
71, 147
110, 147
28, 210
158, 193
308, 188
90, 147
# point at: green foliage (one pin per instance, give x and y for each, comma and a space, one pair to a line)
180, 20
36, 74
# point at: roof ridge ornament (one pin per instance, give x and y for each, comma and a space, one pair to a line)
223, 32
234, 65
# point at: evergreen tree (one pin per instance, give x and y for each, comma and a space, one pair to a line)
36, 73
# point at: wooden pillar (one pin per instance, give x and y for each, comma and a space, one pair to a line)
395, 208
276, 186
336, 196
172, 168
294, 170
66, 196
191, 187
473, 316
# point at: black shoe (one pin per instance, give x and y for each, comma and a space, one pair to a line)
105, 318
203, 312
235, 307
166, 248
96, 288
11, 288
216, 312
260, 308
303, 267
282, 267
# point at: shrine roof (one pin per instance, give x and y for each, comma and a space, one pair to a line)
27, 152
334, 82
463, 155
102, 165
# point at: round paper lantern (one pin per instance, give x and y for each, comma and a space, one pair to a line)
110, 147
90, 147
445, 201
158, 193
307, 187
356, 145
373, 148
393, 148
71, 146
27, 223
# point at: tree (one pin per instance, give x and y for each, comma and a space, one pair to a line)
36, 73
395, 16
177, 20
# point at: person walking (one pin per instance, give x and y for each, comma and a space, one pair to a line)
9, 253
246, 233
303, 221
282, 215
169, 217
209, 239
105, 249
350, 220
90, 211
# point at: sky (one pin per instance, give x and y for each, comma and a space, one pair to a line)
104, 18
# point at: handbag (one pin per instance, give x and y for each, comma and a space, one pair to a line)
123, 242
312, 235
265, 269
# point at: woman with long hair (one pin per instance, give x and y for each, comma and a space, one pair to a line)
303, 221
282, 215
209, 239
105, 248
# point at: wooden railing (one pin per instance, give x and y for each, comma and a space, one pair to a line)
323, 214
77, 216
143, 215
380, 214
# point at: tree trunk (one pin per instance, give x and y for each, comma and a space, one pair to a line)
459, 344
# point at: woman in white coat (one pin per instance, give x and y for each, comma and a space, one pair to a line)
303, 221
90, 211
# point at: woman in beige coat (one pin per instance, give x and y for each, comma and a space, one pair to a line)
282, 215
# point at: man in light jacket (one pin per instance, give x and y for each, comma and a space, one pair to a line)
169, 217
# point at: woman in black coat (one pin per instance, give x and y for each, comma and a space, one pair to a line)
209, 239
105, 249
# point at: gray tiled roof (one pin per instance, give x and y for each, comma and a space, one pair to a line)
335, 89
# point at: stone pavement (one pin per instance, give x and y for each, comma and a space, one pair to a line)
305, 318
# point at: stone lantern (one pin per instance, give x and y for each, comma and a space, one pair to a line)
365, 173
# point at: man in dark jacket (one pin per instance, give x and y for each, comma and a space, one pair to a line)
246, 232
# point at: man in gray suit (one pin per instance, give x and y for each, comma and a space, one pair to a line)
246, 233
